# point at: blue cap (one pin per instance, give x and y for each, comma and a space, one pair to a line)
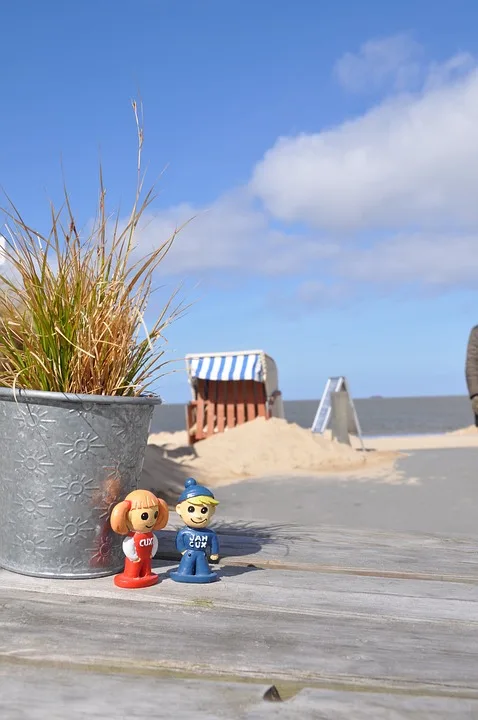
192, 489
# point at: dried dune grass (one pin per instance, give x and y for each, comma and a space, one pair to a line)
72, 312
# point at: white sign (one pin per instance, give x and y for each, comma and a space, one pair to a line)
324, 411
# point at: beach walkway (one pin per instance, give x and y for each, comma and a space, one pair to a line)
429, 491
307, 621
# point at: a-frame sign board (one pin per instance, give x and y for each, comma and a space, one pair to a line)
324, 411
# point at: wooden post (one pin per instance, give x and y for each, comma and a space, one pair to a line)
340, 417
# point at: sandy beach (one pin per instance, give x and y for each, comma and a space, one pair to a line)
265, 448
463, 438
277, 448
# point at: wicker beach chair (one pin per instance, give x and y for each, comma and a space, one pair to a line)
229, 389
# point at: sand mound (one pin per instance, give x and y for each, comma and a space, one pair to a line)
274, 446
261, 448
169, 440
162, 475
470, 430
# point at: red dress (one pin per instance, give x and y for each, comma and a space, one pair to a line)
138, 573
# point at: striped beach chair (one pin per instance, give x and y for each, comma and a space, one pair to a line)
229, 389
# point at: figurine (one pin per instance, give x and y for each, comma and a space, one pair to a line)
137, 516
196, 507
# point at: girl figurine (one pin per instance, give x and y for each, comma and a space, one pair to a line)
137, 516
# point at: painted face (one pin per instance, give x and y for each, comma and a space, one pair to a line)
195, 516
142, 520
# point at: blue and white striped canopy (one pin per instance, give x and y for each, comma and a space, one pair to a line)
243, 366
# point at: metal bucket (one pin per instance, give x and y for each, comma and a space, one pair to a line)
65, 461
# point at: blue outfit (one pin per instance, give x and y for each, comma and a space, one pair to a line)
198, 544
204, 541
195, 545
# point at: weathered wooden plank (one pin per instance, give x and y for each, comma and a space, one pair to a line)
334, 549
230, 405
240, 402
39, 693
261, 400
211, 407
330, 705
250, 399
311, 594
199, 635
200, 409
221, 406
319, 596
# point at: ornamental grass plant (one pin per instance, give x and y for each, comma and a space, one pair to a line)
72, 307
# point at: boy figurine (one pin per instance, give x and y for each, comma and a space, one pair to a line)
196, 506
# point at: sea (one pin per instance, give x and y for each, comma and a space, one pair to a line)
377, 415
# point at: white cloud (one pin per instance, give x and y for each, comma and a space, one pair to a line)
391, 61
229, 235
436, 261
419, 262
439, 74
410, 160
318, 292
386, 199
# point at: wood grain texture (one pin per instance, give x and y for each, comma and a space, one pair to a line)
40, 693
315, 595
221, 406
200, 409
330, 705
230, 405
247, 630
250, 400
240, 391
328, 609
332, 549
261, 399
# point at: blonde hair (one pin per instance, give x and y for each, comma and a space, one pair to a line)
201, 500
137, 500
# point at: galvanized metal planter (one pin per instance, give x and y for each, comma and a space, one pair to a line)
65, 461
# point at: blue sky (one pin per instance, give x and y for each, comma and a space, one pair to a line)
328, 150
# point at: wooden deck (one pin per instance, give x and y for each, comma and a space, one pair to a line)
305, 623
